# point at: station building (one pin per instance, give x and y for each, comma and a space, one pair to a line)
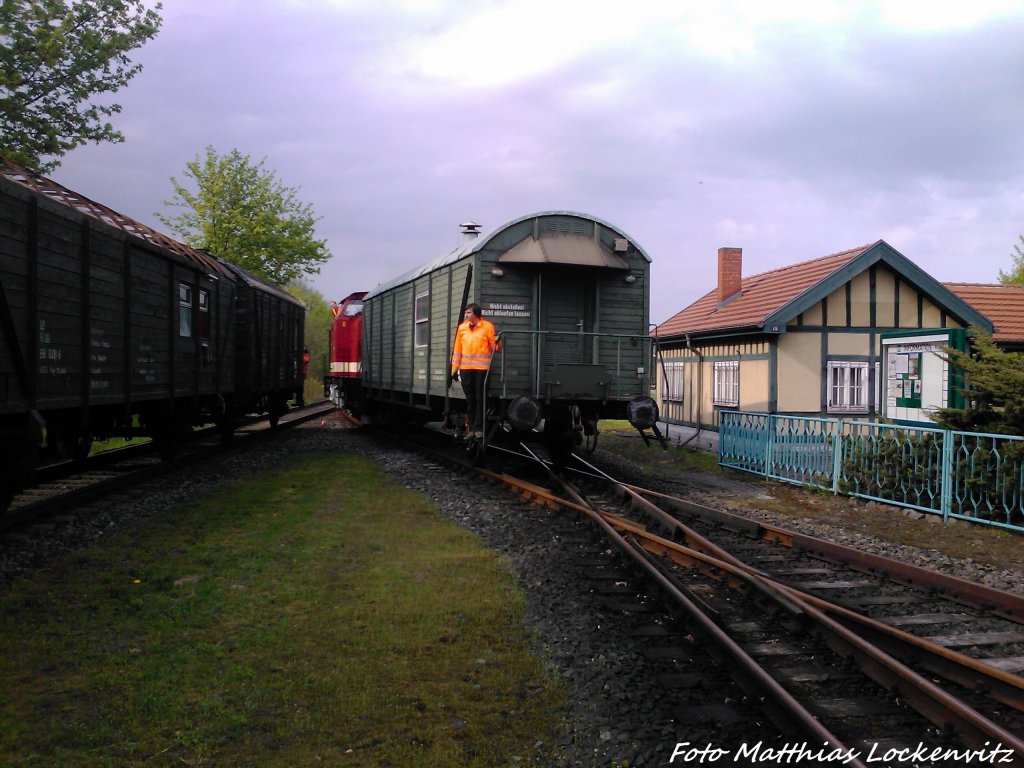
857, 334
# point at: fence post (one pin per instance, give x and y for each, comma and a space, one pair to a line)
769, 441
837, 456
946, 497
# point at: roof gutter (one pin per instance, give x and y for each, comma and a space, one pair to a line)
718, 333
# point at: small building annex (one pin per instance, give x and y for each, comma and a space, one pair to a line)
855, 334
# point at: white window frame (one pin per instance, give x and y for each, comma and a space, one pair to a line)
421, 310
848, 386
725, 382
674, 373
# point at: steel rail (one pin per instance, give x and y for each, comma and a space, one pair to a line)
788, 714
1003, 686
931, 701
997, 602
943, 709
956, 667
1000, 685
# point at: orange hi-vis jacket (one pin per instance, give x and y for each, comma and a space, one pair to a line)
474, 346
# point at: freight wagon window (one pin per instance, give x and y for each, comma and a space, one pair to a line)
184, 310
726, 384
422, 319
204, 314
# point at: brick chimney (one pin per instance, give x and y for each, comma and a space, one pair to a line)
730, 269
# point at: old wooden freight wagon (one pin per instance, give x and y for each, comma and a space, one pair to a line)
108, 328
569, 296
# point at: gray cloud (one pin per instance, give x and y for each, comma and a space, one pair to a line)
802, 143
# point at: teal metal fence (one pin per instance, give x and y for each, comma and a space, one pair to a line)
966, 475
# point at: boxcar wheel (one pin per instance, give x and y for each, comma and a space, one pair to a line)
81, 447
559, 441
19, 461
560, 449
477, 452
167, 444
169, 437
19, 454
277, 409
495, 462
7, 491
226, 428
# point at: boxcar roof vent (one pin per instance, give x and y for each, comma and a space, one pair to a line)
470, 231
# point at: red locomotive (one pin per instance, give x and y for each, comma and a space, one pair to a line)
346, 346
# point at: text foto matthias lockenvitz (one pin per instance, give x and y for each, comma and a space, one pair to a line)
794, 754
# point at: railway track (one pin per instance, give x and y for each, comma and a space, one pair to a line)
59, 487
859, 659
966, 701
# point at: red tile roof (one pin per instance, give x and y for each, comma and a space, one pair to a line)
760, 296
1001, 303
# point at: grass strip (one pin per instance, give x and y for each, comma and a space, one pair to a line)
319, 616
620, 439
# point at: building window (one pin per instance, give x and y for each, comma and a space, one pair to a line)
848, 386
422, 319
185, 310
674, 380
726, 382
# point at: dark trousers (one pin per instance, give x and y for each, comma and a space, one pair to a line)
473, 386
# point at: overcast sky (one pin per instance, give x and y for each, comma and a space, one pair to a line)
790, 129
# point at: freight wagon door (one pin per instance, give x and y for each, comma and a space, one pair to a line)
566, 313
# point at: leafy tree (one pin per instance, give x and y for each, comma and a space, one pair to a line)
240, 212
318, 322
55, 58
1015, 275
993, 389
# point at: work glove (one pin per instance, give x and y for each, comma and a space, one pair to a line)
455, 376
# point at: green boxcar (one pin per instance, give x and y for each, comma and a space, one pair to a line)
109, 328
568, 294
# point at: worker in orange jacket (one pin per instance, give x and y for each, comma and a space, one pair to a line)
475, 343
